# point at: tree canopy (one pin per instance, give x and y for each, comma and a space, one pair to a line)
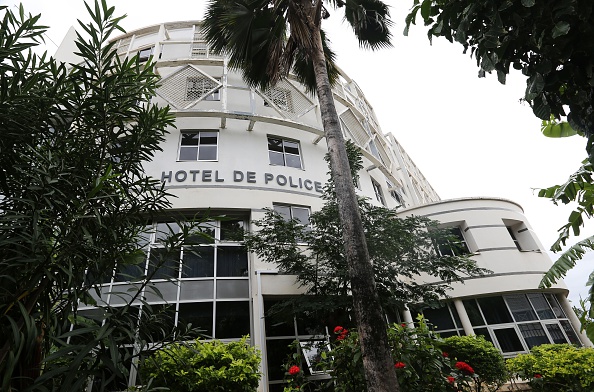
406, 265
74, 203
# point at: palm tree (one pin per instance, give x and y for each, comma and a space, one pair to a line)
266, 39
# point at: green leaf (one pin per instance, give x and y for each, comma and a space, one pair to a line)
556, 129
566, 262
561, 28
528, 3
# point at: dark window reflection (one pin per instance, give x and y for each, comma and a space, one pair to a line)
199, 314
233, 319
198, 262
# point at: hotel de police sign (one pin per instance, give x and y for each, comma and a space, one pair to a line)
239, 176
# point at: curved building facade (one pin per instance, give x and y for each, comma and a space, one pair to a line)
236, 150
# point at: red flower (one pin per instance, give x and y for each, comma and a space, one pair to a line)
338, 328
445, 355
293, 370
463, 366
340, 337
537, 375
451, 379
403, 325
399, 365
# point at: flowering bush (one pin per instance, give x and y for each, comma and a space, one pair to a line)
556, 368
465, 368
487, 362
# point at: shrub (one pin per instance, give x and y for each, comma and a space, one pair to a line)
204, 367
556, 368
419, 362
484, 358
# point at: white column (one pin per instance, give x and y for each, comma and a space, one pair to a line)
468, 330
408, 318
573, 319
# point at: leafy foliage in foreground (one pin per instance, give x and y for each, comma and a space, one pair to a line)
74, 200
556, 368
418, 355
204, 367
486, 360
402, 251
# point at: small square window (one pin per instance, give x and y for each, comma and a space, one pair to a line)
300, 214
378, 192
454, 245
145, 54
199, 146
284, 152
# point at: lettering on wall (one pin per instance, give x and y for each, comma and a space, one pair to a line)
238, 176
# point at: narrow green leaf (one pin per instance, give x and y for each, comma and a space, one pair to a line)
561, 28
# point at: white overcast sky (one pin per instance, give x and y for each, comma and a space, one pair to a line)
470, 137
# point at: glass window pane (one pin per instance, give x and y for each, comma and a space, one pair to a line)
277, 352
455, 314
165, 230
555, 306
533, 334
473, 311
122, 294
541, 305
188, 153
197, 290
189, 139
161, 291
198, 262
508, 340
440, 318
207, 153
203, 234
130, 272
208, 138
301, 215
484, 332
232, 230
275, 144
232, 261
227, 289
165, 262
291, 147
232, 320
556, 334
494, 310
277, 324
293, 161
161, 315
573, 339
520, 307
199, 314
284, 211
276, 158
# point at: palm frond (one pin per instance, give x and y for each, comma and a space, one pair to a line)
567, 261
303, 66
370, 20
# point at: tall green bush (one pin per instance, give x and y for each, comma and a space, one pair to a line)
556, 368
204, 367
484, 358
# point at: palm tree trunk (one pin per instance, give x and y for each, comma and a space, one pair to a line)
377, 361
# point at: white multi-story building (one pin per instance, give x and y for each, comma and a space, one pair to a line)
236, 150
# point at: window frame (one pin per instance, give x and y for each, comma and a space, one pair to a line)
197, 146
143, 58
284, 152
379, 194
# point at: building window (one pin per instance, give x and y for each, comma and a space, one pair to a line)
299, 213
516, 323
205, 281
145, 54
395, 194
454, 244
378, 192
284, 152
513, 236
198, 146
199, 86
280, 97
